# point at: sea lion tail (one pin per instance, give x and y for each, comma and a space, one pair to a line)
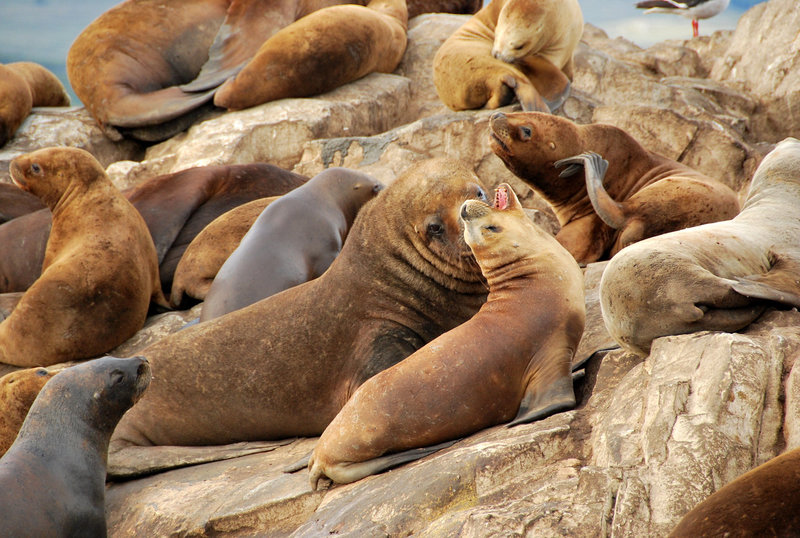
609, 210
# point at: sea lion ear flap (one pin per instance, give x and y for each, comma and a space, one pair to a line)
505, 198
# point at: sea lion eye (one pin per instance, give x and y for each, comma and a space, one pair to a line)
116, 377
493, 228
525, 133
434, 228
481, 194
36, 169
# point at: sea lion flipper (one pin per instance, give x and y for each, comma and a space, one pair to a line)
147, 109
609, 210
550, 82
526, 94
780, 284
537, 403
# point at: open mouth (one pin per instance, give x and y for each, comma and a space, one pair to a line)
501, 198
496, 141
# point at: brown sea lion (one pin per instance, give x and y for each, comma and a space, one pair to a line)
319, 52
293, 241
100, 270
52, 479
761, 502
506, 361
210, 248
653, 194
18, 390
510, 48
286, 365
16, 203
718, 276
175, 207
24, 85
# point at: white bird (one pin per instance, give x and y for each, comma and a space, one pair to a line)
692, 9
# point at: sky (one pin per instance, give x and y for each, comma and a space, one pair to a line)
43, 30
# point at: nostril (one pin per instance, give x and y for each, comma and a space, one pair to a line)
464, 211
497, 116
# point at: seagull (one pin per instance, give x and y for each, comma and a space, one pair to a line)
692, 9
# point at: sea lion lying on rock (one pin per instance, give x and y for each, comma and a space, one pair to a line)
18, 390
647, 194
512, 358
715, 277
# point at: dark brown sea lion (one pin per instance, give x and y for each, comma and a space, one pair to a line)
286, 365
15, 203
510, 48
718, 276
24, 85
52, 479
210, 248
100, 270
503, 362
647, 194
18, 390
319, 52
293, 241
175, 207
761, 502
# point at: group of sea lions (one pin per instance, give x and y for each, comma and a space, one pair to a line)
390, 321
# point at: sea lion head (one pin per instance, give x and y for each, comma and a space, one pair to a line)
48, 173
350, 188
523, 28
779, 172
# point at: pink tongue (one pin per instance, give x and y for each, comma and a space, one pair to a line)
501, 198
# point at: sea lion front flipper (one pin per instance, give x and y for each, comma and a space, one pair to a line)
242, 33
133, 461
780, 284
148, 109
595, 166
538, 402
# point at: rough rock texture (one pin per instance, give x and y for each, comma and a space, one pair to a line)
649, 438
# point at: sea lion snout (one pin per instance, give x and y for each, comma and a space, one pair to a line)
473, 209
15, 170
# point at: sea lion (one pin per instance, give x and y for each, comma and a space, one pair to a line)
718, 276
293, 241
653, 194
16, 203
319, 52
286, 365
761, 502
210, 248
504, 361
52, 479
18, 390
510, 48
175, 207
24, 85
100, 270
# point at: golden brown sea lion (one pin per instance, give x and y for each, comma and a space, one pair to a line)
293, 241
510, 48
52, 479
24, 85
513, 358
718, 276
100, 270
286, 365
647, 194
18, 390
320, 52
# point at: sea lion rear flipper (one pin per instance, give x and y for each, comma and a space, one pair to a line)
539, 402
780, 284
608, 209
550, 82
526, 94
133, 461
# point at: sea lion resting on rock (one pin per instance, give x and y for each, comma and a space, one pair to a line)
286, 365
52, 479
510, 48
24, 85
18, 390
512, 358
293, 241
653, 194
210, 248
100, 270
717, 277
320, 52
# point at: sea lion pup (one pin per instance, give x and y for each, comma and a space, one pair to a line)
512, 358
210, 248
761, 502
52, 479
293, 241
18, 390
718, 276
24, 85
647, 194
100, 270
286, 365
319, 52
510, 48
